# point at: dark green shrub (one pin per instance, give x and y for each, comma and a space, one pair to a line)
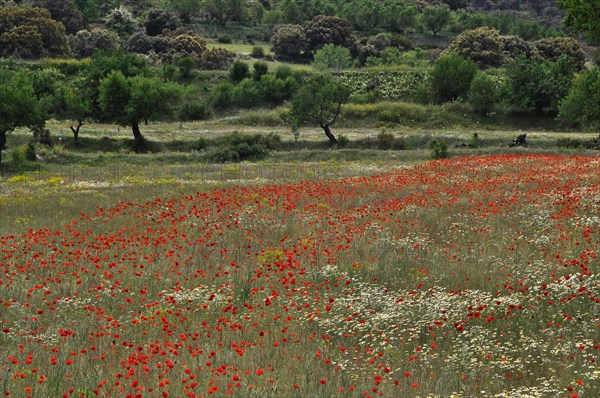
342, 141
247, 94
257, 52
30, 152
18, 157
275, 90
222, 95
260, 69
581, 107
385, 140
186, 66
537, 84
237, 147
451, 77
483, 94
194, 110
224, 38
439, 148
238, 71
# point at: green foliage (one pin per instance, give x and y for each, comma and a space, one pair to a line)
18, 157
275, 89
237, 147
121, 21
260, 69
393, 85
128, 101
386, 141
289, 43
186, 9
222, 95
538, 84
318, 102
185, 65
239, 71
194, 110
19, 106
392, 56
63, 11
85, 42
332, 57
224, 38
436, 18
322, 30
159, 20
439, 148
483, 94
553, 48
583, 16
576, 143
257, 52
246, 94
483, 46
216, 59
581, 107
30, 33
451, 77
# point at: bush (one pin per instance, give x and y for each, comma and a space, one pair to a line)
483, 46
18, 157
121, 20
451, 77
332, 57
216, 59
247, 94
159, 20
276, 90
290, 43
385, 140
222, 95
323, 30
536, 84
581, 107
554, 48
483, 94
257, 52
85, 42
237, 147
439, 148
238, 71
194, 110
260, 69
224, 38
342, 141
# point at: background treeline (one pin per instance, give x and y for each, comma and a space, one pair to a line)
391, 61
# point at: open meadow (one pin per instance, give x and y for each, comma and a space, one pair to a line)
403, 277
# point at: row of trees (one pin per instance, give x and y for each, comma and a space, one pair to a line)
119, 87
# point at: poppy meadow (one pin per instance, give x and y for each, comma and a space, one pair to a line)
460, 277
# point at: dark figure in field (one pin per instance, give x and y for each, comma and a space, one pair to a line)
519, 141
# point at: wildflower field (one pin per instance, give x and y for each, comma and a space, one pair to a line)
467, 277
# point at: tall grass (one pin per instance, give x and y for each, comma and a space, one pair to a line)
460, 277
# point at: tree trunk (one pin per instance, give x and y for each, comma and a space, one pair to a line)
135, 127
2, 143
75, 131
332, 139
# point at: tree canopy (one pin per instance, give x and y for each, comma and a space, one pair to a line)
582, 15
318, 102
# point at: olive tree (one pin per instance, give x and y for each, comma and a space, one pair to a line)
130, 101
19, 106
318, 101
